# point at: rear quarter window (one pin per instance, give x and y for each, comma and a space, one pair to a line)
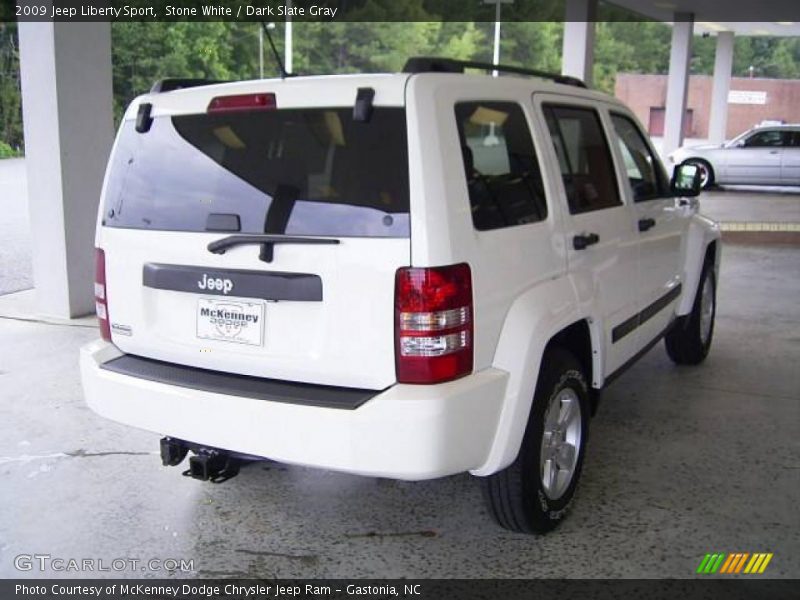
504, 180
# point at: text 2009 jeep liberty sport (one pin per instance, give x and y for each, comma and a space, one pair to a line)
407, 275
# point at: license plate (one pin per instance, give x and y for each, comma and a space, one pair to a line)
231, 321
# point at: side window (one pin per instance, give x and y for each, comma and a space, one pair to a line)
583, 154
503, 176
644, 172
769, 138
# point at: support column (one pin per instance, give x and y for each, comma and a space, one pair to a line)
678, 81
68, 122
288, 53
577, 55
723, 67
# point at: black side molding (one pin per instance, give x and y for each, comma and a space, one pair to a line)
245, 386
267, 285
628, 325
635, 358
624, 328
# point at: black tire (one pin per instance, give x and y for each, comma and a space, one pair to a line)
706, 170
686, 342
516, 496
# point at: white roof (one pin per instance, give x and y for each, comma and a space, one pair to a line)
334, 90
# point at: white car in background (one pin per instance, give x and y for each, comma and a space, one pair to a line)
764, 155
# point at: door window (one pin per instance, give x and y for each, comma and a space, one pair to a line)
584, 157
503, 176
644, 171
768, 139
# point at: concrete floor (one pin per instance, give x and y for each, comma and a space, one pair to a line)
752, 204
682, 461
15, 238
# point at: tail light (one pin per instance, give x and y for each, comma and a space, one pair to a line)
101, 294
433, 323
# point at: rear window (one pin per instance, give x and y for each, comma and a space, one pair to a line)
301, 172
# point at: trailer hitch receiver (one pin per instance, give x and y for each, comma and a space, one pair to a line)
213, 466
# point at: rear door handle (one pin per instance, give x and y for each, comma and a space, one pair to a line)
645, 224
582, 241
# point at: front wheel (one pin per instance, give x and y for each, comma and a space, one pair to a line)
533, 493
689, 340
706, 171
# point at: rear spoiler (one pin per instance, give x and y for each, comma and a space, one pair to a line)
171, 84
143, 115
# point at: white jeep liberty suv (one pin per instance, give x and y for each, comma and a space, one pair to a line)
405, 275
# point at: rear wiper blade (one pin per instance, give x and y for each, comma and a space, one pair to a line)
267, 243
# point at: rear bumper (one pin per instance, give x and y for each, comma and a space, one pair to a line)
405, 432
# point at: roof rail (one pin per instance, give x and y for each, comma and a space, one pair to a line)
429, 64
170, 84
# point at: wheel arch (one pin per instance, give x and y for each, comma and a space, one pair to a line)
712, 170
703, 242
527, 333
577, 339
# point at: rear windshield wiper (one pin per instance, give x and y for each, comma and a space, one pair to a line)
267, 243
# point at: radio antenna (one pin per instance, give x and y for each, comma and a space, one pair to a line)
275, 54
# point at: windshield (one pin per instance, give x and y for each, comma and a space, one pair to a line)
301, 172
738, 138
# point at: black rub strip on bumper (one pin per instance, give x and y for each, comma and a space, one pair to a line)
239, 385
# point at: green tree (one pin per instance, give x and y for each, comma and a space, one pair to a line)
703, 53
10, 97
535, 45
769, 57
352, 47
630, 47
786, 58
145, 52
460, 40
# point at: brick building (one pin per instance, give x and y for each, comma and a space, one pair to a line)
750, 101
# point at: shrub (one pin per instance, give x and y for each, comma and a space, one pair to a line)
7, 151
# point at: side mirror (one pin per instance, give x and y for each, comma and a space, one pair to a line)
686, 181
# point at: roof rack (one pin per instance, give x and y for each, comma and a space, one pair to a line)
428, 64
168, 85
